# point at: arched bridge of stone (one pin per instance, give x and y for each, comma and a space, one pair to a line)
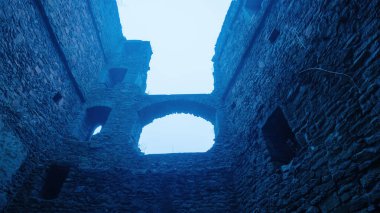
156, 106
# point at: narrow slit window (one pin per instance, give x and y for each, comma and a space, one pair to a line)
279, 138
55, 177
274, 35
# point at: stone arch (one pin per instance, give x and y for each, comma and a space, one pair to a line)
160, 109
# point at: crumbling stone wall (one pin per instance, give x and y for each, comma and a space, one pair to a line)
318, 61
108, 25
295, 109
106, 172
12, 154
32, 73
153, 183
73, 26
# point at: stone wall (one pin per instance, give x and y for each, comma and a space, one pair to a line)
108, 25
37, 95
295, 110
120, 190
51, 57
318, 62
72, 25
193, 182
106, 172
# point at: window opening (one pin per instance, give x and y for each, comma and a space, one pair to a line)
57, 98
55, 177
274, 35
116, 76
95, 117
279, 138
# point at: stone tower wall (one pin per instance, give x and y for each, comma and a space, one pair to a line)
317, 62
295, 111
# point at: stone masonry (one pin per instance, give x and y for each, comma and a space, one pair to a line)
295, 111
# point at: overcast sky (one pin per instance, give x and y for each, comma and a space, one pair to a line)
183, 34
177, 133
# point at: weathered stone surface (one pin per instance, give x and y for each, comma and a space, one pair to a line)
12, 154
321, 71
316, 62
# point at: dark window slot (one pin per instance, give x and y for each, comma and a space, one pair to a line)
279, 138
95, 117
274, 35
116, 76
55, 177
57, 98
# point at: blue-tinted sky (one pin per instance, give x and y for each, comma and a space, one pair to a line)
177, 133
183, 34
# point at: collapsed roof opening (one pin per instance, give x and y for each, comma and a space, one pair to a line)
183, 43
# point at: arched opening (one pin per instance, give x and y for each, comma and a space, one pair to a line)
177, 133
182, 35
95, 117
161, 109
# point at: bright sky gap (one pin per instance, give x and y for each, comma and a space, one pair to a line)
183, 35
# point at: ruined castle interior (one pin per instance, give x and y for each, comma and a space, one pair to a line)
295, 110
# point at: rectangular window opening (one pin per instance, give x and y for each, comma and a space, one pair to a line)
55, 177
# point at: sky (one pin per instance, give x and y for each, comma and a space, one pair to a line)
183, 35
177, 133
